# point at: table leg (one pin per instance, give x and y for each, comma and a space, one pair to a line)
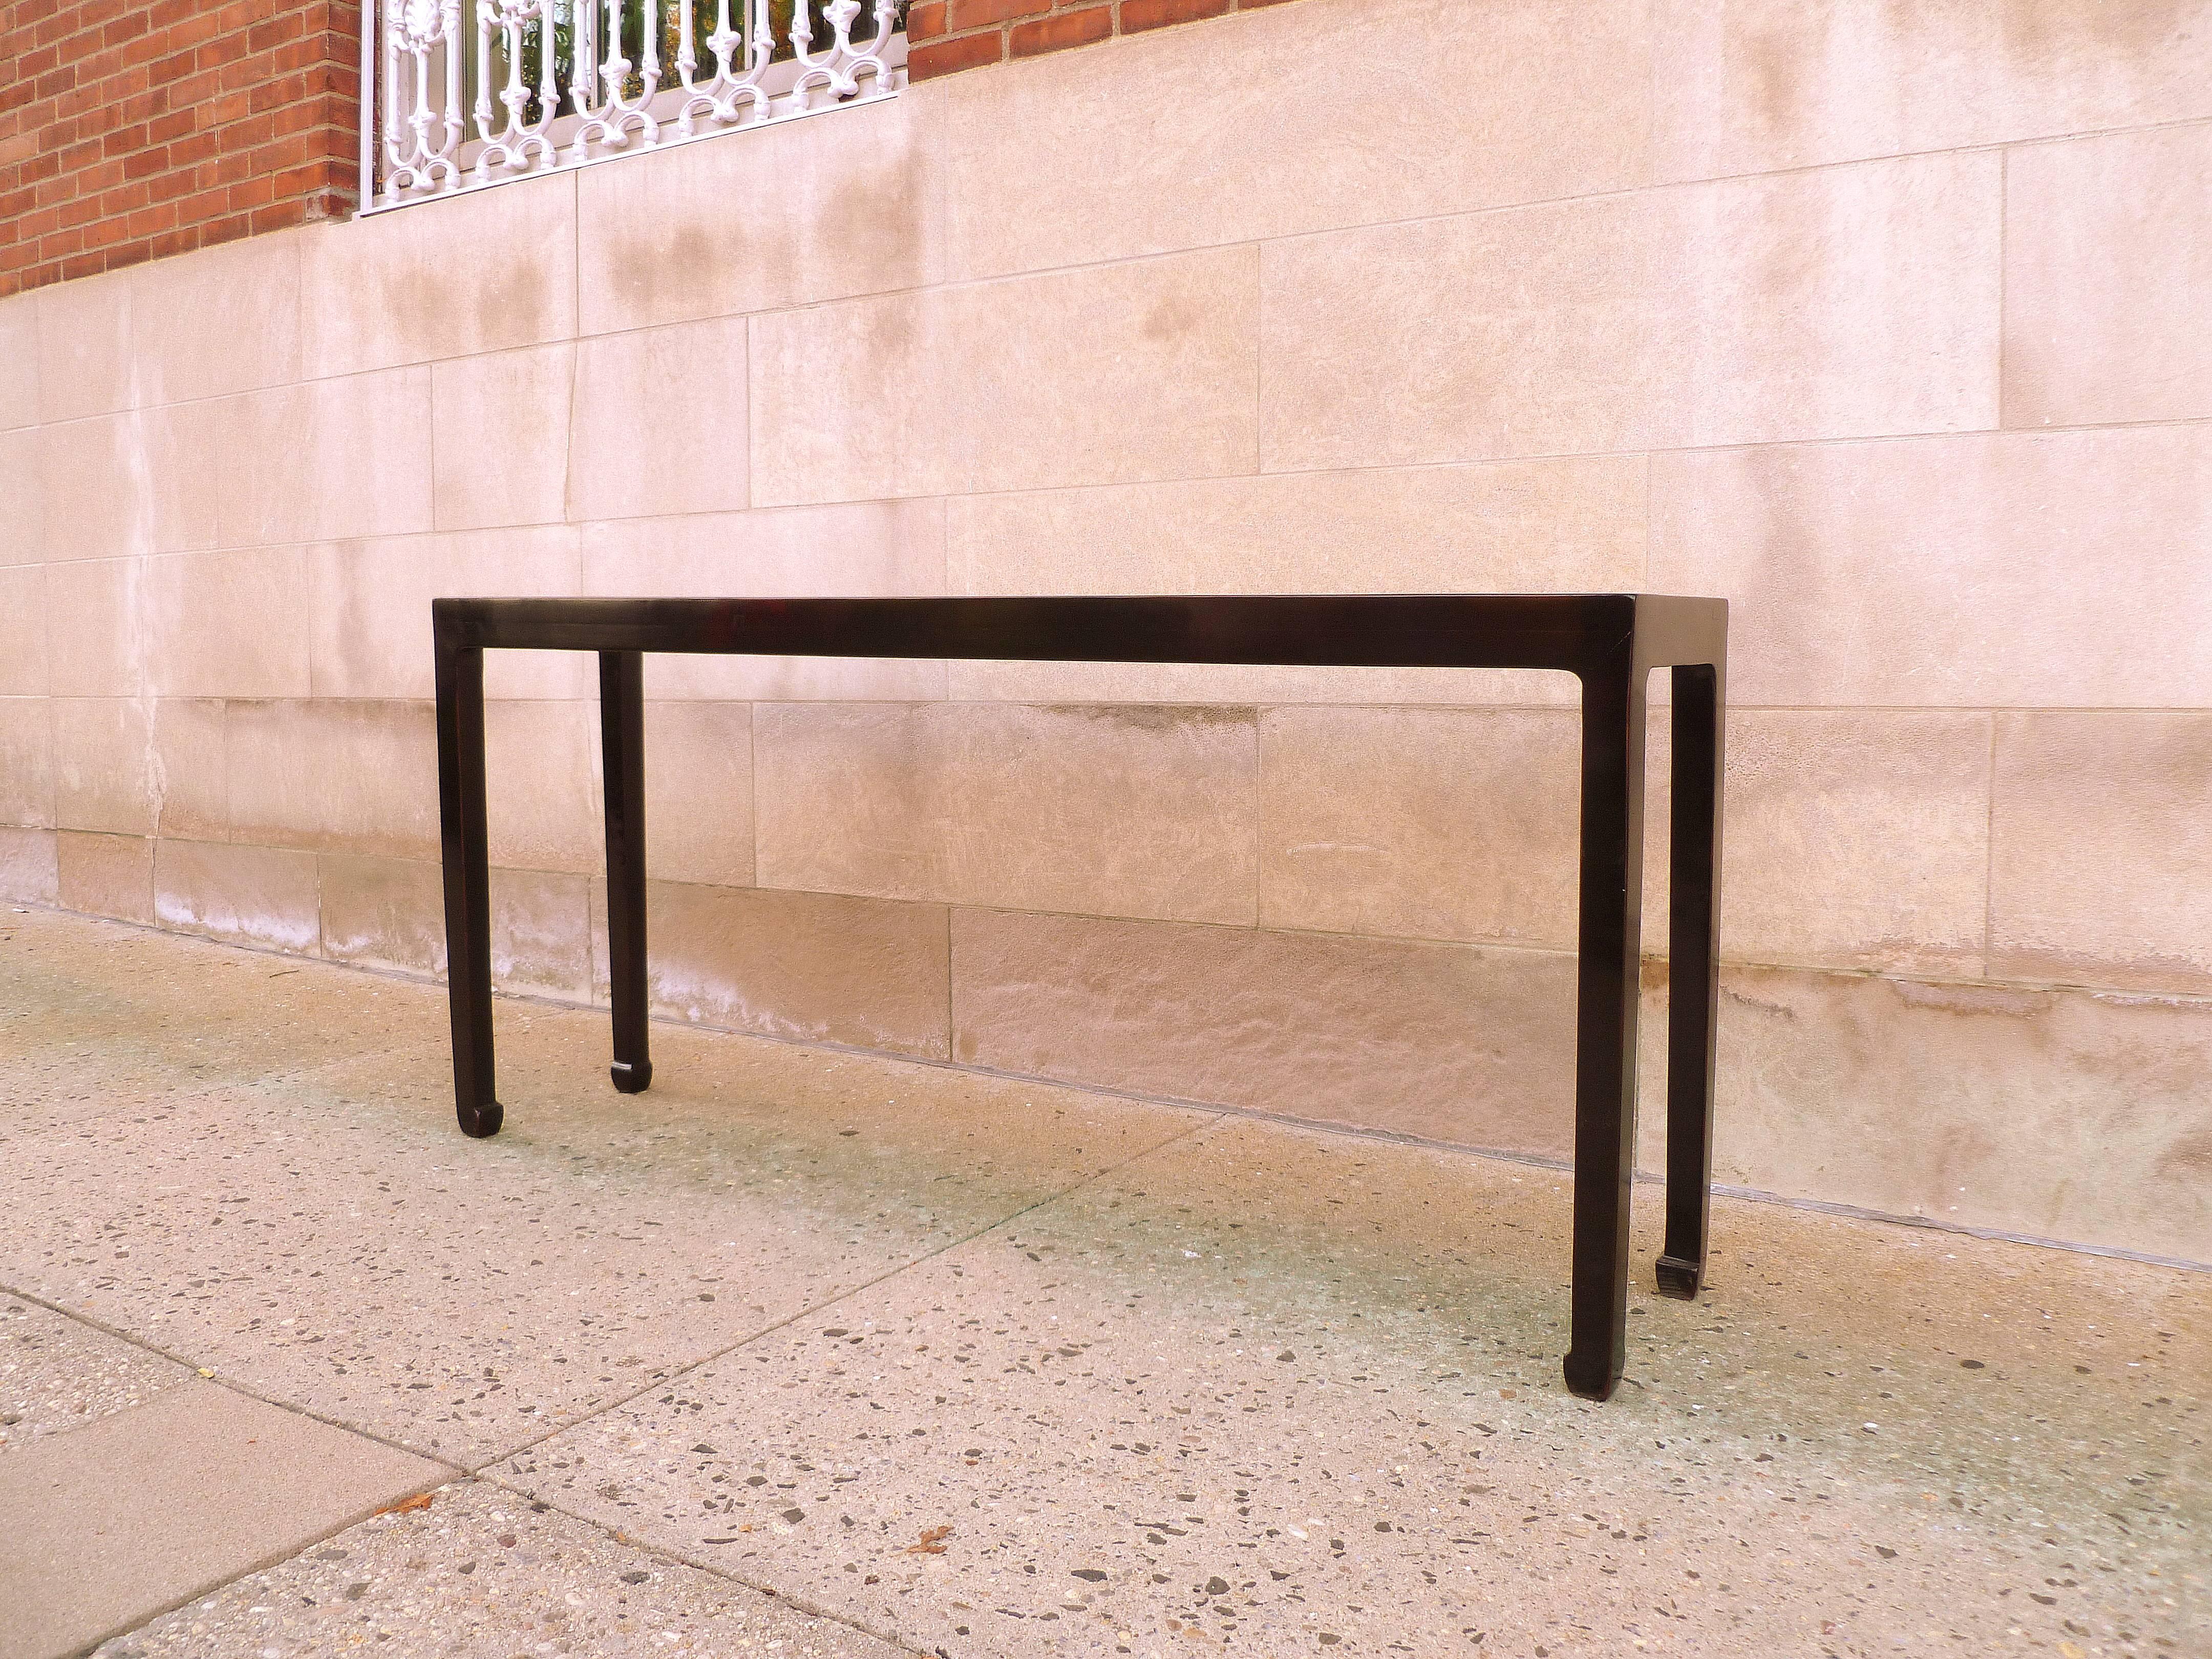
622, 737
1607, 976
1693, 985
468, 882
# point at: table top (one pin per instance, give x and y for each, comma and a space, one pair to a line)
1569, 631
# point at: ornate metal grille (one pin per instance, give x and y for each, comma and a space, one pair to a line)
461, 94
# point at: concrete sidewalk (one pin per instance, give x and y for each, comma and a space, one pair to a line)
808, 1352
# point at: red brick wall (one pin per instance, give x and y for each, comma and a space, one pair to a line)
945, 35
132, 129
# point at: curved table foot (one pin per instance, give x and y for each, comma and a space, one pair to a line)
1678, 1279
1593, 1379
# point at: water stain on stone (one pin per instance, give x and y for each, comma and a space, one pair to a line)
1157, 717
2024, 382
875, 214
2035, 32
1776, 60
2189, 1159
1993, 999
642, 270
1736, 996
1791, 71
506, 306
1172, 317
867, 233
409, 295
513, 309
1789, 593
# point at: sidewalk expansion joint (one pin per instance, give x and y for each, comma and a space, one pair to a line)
200, 1373
814, 1310
797, 1603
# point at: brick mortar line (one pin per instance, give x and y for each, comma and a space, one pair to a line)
109, 93
1028, 30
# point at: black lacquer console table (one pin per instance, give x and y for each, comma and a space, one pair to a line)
1612, 642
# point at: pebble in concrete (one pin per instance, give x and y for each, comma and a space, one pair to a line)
97, 1020
59, 1374
1117, 1371
102, 1528
1282, 1393
329, 1237
480, 1573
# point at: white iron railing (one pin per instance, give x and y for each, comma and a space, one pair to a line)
460, 93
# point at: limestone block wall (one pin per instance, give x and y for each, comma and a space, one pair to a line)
1885, 323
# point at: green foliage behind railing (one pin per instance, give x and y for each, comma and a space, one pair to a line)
705, 17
